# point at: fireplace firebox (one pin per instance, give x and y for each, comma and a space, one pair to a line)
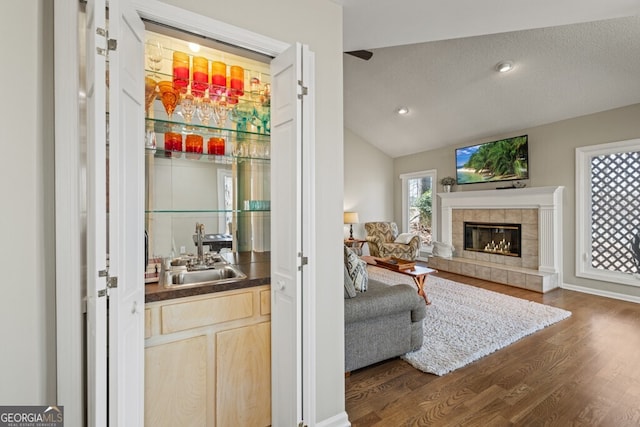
500, 239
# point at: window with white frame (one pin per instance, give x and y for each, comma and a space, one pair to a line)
608, 212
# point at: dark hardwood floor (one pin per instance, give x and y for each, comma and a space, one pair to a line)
582, 371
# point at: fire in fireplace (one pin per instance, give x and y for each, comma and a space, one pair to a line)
500, 239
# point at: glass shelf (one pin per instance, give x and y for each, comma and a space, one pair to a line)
204, 211
202, 157
163, 125
248, 96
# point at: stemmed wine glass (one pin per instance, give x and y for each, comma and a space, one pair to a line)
187, 107
242, 113
150, 93
169, 97
154, 54
204, 110
221, 112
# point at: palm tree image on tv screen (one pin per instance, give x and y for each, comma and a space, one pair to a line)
503, 160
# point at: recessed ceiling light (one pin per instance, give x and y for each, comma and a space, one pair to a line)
402, 111
504, 66
194, 47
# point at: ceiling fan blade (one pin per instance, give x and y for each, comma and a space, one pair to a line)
362, 54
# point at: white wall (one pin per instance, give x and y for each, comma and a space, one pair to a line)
551, 162
318, 24
27, 305
368, 183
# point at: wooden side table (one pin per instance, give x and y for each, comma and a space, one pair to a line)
419, 274
355, 244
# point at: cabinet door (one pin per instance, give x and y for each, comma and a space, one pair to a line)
96, 217
291, 207
126, 207
243, 376
176, 376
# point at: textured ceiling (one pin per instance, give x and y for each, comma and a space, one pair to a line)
383, 23
455, 96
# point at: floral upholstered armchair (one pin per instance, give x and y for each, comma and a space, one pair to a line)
384, 241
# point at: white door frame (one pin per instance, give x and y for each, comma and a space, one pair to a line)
69, 217
433, 173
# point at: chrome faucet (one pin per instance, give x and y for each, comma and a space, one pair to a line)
199, 239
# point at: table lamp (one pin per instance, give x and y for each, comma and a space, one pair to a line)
351, 218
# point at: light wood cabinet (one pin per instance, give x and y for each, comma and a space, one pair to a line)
243, 366
208, 360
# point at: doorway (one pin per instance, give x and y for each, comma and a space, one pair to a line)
419, 207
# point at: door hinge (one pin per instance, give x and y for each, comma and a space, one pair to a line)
112, 282
112, 44
304, 89
303, 261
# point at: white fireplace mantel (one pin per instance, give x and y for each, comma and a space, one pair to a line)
548, 201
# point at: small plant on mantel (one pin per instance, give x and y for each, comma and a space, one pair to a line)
447, 180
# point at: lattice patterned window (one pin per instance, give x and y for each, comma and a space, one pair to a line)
608, 211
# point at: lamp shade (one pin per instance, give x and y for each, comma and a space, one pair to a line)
351, 217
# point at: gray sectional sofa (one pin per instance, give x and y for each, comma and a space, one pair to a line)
381, 323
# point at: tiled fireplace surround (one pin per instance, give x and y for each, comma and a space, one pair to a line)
538, 210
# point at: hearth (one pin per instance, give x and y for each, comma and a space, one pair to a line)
493, 238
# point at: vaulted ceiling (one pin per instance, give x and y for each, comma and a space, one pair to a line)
571, 58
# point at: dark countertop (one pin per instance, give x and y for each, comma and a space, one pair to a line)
256, 265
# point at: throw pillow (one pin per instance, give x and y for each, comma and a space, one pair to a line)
443, 250
349, 288
356, 270
404, 238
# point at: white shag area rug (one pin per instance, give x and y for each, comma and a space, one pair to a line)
465, 323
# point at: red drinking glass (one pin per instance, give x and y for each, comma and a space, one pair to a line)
172, 141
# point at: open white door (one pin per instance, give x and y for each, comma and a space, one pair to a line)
287, 239
117, 201
126, 218
96, 216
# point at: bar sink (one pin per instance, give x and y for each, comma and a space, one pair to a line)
225, 274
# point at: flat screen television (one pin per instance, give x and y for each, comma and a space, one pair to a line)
502, 160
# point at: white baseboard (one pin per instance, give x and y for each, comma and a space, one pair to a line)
338, 420
601, 293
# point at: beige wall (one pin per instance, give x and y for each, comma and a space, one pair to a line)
27, 305
552, 162
368, 183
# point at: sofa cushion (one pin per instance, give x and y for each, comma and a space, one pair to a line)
356, 270
404, 238
443, 250
349, 287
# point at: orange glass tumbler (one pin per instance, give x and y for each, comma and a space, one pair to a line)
218, 78
180, 71
237, 80
216, 146
200, 76
172, 141
193, 143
